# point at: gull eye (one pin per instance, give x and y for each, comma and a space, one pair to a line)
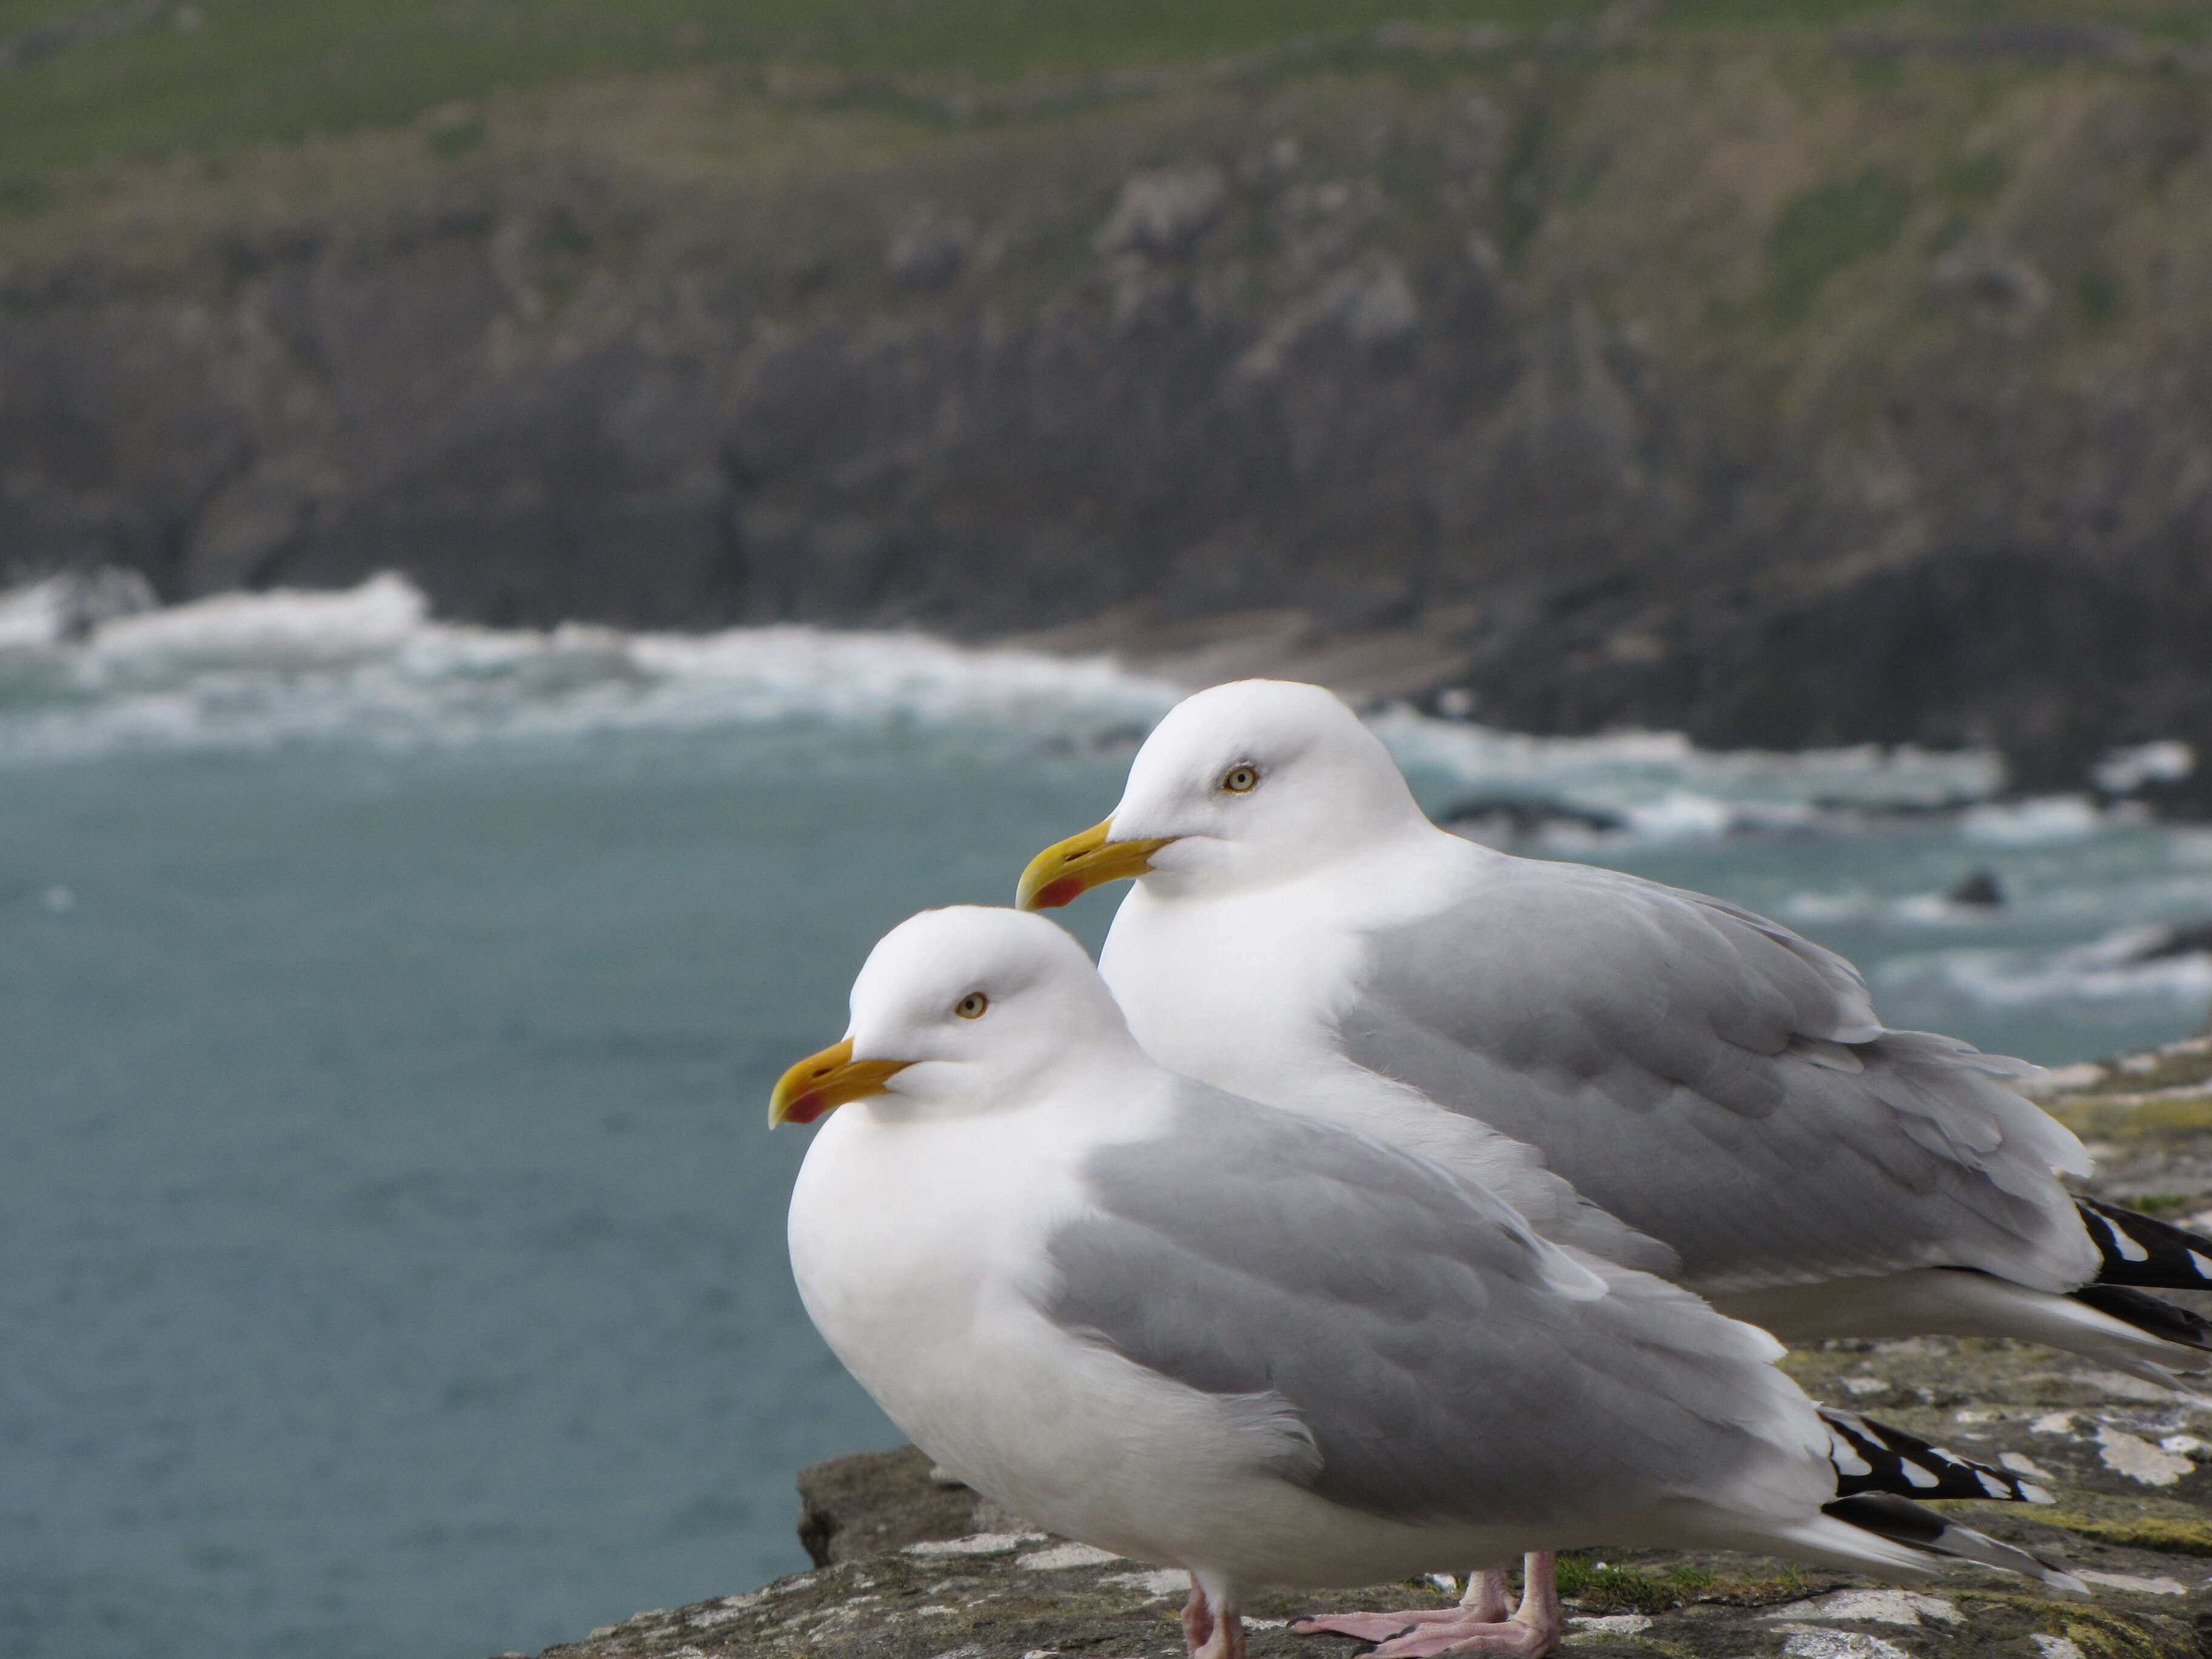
972, 1006
1239, 779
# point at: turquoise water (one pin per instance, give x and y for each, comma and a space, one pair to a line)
394, 1242
393, 1245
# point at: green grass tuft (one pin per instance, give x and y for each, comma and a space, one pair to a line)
1521, 182
2145, 1531
455, 136
23, 195
2097, 291
1604, 1589
1826, 229
1978, 178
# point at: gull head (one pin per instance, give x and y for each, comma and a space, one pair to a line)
956, 1011
1241, 786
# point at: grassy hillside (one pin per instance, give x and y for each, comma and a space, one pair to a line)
89, 81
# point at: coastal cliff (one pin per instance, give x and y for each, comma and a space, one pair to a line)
1837, 387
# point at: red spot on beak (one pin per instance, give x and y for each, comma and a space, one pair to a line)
1054, 894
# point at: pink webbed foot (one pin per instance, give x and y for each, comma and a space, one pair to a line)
1524, 1641
1379, 1626
1488, 1601
1474, 1627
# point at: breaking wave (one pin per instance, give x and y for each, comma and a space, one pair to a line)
257, 670
89, 667
2124, 965
1659, 786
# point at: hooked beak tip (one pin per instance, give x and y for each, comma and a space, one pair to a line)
1067, 869
826, 1080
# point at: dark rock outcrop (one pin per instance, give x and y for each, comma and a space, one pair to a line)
1981, 889
1709, 384
874, 1501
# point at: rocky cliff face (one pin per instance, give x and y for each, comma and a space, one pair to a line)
1853, 389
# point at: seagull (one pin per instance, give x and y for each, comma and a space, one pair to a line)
1654, 1075
1204, 1333
1648, 1073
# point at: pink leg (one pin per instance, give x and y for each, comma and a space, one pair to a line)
1478, 1624
1197, 1620
1207, 1636
1489, 1597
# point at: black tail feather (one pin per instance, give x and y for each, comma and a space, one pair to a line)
1902, 1521
2149, 1314
2144, 1252
1872, 1457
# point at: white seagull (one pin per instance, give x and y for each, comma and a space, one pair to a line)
1301, 933
1203, 1333
1572, 1038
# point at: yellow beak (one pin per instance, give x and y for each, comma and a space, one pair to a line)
827, 1079
1080, 863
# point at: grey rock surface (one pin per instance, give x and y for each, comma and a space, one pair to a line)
874, 1501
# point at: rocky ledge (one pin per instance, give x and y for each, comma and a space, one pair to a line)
911, 1565
911, 1568
2131, 1468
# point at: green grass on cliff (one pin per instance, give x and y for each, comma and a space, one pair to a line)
1827, 228
84, 81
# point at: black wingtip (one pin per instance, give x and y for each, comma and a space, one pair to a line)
1903, 1522
1873, 1458
2144, 1252
2148, 1314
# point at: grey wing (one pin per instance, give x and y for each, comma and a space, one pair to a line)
1717, 1082
1446, 1363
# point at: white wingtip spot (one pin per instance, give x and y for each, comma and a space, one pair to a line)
2129, 1249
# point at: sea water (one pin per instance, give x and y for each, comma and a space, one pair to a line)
392, 1239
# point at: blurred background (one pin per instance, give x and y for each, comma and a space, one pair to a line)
532, 531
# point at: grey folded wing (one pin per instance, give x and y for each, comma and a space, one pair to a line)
1440, 1362
1716, 1081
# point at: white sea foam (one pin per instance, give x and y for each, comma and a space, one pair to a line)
2123, 771
2031, 823
2111, 969
371, 665
1660, 786
31, 617
1860, 904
